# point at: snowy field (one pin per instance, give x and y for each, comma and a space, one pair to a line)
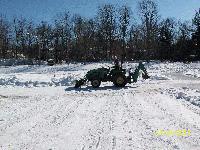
40, 109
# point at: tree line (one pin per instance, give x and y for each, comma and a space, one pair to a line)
113, 32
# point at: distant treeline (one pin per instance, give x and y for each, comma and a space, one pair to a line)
113, 32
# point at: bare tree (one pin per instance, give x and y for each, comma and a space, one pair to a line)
78, 29
44, 40
20, 36
166, 38
107, 27
196, 34
90, 39
63, 31
183, 49
4, 36
135, 41
149, 16
124, 23
196, 20
31, 40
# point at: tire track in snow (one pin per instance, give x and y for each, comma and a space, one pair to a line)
174, 121
142, 131
116, 119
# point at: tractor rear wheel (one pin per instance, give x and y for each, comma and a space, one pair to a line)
119, 80
95, 83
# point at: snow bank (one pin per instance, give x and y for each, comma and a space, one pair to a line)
42, 76
190, 95
193, 73
17, 62
65, 81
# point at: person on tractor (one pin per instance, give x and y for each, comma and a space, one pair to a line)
116, 62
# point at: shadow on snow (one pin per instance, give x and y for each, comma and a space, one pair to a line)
91, 89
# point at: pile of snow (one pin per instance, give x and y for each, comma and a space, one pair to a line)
159, 77
17, 62
14, 81
190, 95
43, 76
193, 73
168, 67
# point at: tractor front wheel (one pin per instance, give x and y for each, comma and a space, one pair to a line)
96, 83
119, 80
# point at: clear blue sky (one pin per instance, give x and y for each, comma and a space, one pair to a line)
39, 10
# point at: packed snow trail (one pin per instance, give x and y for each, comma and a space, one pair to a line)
108, 118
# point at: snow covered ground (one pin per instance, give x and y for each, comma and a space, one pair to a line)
40, 109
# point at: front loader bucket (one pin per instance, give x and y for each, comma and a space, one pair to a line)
79, 83
145, 76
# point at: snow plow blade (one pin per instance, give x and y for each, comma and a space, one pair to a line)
79, 83
145, 76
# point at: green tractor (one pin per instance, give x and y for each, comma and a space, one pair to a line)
116, 74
